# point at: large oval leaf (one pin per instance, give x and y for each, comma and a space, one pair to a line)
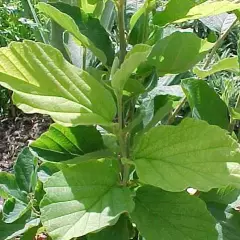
83, 199
178, 52
192, 154
178, 11
172, 216
43, 82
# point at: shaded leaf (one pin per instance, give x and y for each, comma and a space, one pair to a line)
108, 16
172, 216
30, 234
9, 187
85, 28
25, 170
56, 39
13, 210
10, 231
227, 195
205, 103
61, 143
139, 23
133, 87
120, 231
162, 106
228, 221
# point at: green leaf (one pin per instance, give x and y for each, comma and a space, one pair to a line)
46, 170
219, 23
44, 82
139, 23
108, 16
137, 15
235, 113
188, 10
226, 64
90, 6
178, 52
205, 103
13, 210
192, 154
134, 58
133, 87
169, 14
162, 106
171, 216
39, 192
61, 143
228, 196
30, 234
10, 231
56, 39
86, 29
25, 170
120, 231
74, 50
228, 221
9, 187
89, 203
140, 31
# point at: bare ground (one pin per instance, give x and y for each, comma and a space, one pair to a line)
15, 133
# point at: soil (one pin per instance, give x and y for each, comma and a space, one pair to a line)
15, 133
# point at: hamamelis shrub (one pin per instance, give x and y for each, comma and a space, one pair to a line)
125, 147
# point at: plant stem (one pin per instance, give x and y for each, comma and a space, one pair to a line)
122, 140
217, 45
208, 61
40, 27
233, 121
84, 58
123, 50
121, 27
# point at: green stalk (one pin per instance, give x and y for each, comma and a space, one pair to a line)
121, 27
123, 51
145, 26
233, 121
209, 59
122, 140
37, 21
84, 58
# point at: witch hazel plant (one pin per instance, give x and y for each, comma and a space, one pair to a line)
118, 160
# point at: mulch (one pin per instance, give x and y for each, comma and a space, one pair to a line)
16, 133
